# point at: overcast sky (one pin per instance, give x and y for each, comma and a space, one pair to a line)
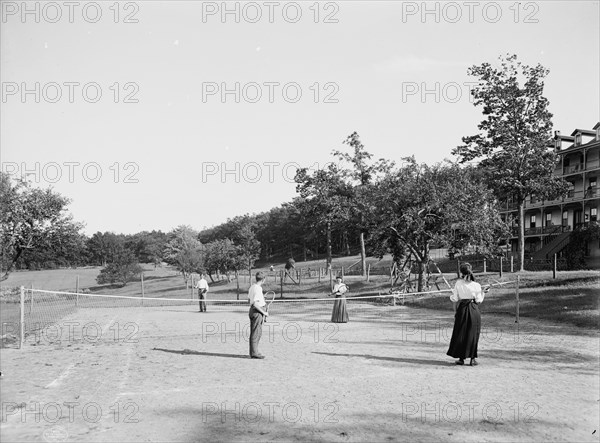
129, 120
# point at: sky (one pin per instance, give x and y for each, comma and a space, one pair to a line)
150, 114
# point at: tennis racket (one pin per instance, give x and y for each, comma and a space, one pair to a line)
341, 290
271, 301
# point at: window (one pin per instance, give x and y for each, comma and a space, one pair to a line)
593, 182
565, 218
594, 214
577, 139
532, 221
548, 218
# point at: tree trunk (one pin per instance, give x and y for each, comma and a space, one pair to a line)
347, 243
363, 255
421, 268
423, 262
329, 243
522, 235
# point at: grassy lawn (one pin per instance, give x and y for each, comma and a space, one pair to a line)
572, 298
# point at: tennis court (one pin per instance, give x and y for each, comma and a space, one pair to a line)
170, 373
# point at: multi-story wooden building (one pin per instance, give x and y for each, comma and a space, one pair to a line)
549, 223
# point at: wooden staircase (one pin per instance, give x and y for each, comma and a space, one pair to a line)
554, 246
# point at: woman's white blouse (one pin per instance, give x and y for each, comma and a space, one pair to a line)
464, 290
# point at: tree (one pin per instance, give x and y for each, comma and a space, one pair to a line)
223, 256
249, 246
103, 247
326, 199
420, 205
123, 269
148, 247
30, 220
184, 251
358, 180
512, 147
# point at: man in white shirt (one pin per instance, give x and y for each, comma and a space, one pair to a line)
202, 286
257, 314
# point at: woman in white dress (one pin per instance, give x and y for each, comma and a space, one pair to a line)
466, 297
340, 312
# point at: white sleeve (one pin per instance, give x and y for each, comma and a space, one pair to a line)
454, 295
478, 294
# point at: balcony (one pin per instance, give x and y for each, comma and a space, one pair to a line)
594, 164
571, 196
547, 230
579, 167
592, 193
574, 195
573, 169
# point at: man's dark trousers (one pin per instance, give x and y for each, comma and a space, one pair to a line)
202, 299
256, 321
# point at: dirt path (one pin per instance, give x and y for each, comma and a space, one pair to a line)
172, 374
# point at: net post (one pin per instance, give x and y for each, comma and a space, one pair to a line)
517, 299
554, 267
320, 272
192, 286
237, 281
484, 265
368, 271
76, 291
22, 318
500, 266
512, 264
342, 272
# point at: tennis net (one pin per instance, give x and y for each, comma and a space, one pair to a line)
23, 311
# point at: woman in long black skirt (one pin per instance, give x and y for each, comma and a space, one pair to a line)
466, 297
340, 312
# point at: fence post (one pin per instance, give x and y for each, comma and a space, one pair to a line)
142, 283
484, 265
330, 281
517, 299
281, 282
320, 272
22, 318
31, 302
512, 264
368, 271
501, 266
554, 267
237, 281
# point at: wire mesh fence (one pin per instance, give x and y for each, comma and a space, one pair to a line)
25, 311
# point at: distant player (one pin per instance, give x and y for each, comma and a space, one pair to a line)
257, 314
340, 312
202, 286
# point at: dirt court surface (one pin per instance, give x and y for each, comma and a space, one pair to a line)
174, 374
